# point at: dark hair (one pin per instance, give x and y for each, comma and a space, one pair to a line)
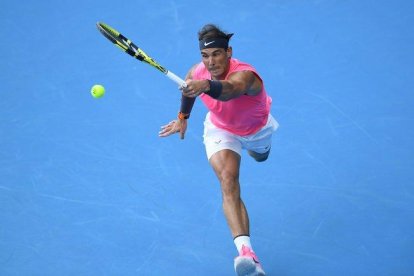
212, 31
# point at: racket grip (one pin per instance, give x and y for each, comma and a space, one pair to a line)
176, 79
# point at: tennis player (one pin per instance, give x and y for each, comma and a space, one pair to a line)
238, 118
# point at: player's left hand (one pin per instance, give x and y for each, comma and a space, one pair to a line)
175, 126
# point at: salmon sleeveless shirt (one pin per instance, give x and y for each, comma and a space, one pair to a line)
242, 116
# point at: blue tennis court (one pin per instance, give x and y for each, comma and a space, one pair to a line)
88, 188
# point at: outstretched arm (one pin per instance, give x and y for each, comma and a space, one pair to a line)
180, 124
187, 103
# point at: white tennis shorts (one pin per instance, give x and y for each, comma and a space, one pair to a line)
217, 139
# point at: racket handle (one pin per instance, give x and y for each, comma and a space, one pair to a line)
176, 79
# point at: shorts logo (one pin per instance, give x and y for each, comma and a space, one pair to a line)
217, 141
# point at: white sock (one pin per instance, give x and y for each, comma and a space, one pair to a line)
239, 241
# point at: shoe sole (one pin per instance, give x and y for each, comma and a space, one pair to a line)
247, 267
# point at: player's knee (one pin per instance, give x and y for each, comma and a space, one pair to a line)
227, 177
229, 186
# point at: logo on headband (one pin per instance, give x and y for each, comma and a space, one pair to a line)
206, 44
214, 42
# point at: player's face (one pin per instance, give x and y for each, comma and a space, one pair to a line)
216, 61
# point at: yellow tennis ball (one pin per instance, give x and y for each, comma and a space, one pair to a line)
97, 91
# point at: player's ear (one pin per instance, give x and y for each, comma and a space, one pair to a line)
229, 52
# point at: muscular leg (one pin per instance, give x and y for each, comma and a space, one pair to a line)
226, 165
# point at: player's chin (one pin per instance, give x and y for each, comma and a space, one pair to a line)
216, 73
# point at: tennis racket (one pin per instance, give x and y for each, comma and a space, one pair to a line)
133, 50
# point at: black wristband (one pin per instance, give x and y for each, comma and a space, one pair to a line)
216, 88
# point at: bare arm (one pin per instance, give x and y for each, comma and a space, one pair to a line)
238, 83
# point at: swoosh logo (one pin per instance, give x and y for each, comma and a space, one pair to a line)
206, 44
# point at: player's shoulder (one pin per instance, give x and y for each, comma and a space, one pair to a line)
243, 68
199, 70
192, 70
240, 65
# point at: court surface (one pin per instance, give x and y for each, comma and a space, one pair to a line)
88, 188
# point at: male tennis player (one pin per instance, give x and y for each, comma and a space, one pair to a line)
238, 118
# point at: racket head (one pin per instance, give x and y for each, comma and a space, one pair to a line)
118, 39
127, 45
